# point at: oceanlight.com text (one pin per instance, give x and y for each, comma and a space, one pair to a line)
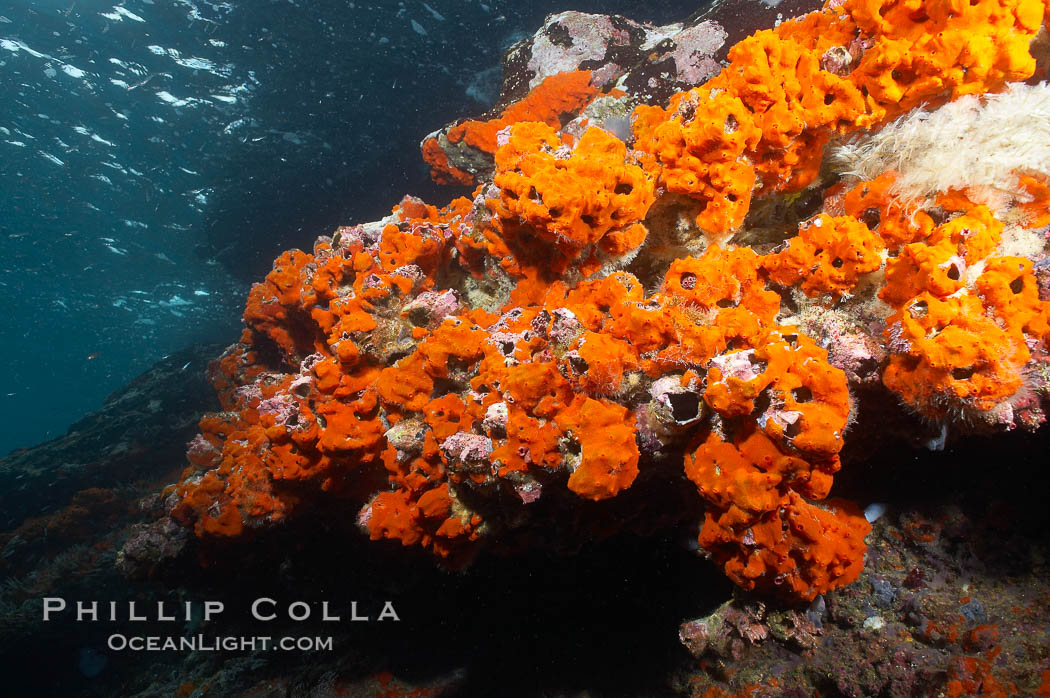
229, 643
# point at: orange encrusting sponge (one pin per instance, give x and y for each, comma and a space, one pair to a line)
585, 204
557, 95
762, 123
441, 370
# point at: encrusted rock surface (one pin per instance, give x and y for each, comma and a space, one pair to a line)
664, 322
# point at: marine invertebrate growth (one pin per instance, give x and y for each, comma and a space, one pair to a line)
586, 203
512, 369
761, 125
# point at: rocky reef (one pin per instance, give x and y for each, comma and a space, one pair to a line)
652, 313
952, 595
701, 275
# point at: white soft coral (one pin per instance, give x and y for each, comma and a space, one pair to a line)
978, 143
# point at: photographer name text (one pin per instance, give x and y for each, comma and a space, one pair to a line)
262, 609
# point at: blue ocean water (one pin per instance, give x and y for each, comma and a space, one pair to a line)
156, 155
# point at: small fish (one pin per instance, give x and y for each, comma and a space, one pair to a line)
92, 356
874, 511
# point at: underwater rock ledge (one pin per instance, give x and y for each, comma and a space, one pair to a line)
667, 300
595, 302
137, 435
